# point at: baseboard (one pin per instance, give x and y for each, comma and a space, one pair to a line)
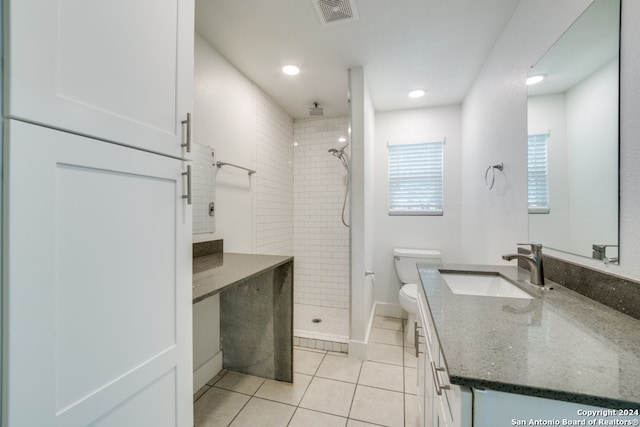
390, 310
207, 371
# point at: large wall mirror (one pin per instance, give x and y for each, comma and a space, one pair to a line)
573, 138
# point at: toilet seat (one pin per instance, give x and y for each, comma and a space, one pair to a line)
409, 290
408, 298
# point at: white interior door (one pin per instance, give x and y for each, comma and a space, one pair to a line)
97, 286
117, 70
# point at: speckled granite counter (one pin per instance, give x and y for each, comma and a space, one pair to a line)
256, 310
213, 273
560, 345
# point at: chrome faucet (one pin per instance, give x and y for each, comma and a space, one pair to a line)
600, 252
534, 260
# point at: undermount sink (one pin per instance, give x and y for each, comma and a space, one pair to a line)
489, 285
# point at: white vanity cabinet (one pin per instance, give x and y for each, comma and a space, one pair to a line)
119, 70
444, 404
424, 380
440, 403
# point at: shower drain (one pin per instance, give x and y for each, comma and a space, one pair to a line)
316, 320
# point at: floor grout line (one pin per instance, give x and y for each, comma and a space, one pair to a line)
357, 384
355, 390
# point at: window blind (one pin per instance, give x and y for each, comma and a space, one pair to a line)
538, 180
415, 178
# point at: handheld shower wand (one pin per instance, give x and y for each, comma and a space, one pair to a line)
340, 154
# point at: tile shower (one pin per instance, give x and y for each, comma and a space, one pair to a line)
297, 197
321, 241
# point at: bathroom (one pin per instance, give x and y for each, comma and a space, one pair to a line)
281, 210
304, 217
292, 204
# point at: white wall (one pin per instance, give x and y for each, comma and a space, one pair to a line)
224, 119
253, 214
428, 232
245, 127
592, 135
362, 205
494, 117
321, 246
494, 128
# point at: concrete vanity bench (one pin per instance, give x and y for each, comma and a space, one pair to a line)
256, 310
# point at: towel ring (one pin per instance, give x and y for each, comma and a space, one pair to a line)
493, 168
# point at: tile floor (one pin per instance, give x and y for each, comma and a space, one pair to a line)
329, 389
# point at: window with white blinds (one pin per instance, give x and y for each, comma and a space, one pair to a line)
538, 179
415, 178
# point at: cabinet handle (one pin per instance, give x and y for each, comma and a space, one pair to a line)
188, 175
188, 143
436, 379
416, 338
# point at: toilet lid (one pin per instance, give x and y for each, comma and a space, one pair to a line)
410, 290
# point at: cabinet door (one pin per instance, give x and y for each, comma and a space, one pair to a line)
424, 406
426, 388
117, 70
97, 286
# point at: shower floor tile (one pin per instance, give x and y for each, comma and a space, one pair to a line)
334, 324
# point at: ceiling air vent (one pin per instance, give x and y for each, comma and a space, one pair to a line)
335, 11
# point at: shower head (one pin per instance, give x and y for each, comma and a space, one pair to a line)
338, 151
316, 110
341, 155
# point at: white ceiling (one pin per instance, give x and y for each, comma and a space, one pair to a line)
589, 44
437, 45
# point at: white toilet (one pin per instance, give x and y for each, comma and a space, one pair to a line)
405, 260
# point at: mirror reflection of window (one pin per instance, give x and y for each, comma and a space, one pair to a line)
538, 176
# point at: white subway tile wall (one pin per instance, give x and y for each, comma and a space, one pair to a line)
297, 199
203, 188
321, 246
273, 195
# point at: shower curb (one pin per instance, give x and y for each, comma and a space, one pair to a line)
318, 344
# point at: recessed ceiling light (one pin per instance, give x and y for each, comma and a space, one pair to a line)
342, 139
291, 70
417, 93
535, 79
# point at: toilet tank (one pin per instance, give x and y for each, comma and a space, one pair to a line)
406, 259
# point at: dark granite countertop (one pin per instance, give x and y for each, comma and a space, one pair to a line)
560, 345
213, 273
